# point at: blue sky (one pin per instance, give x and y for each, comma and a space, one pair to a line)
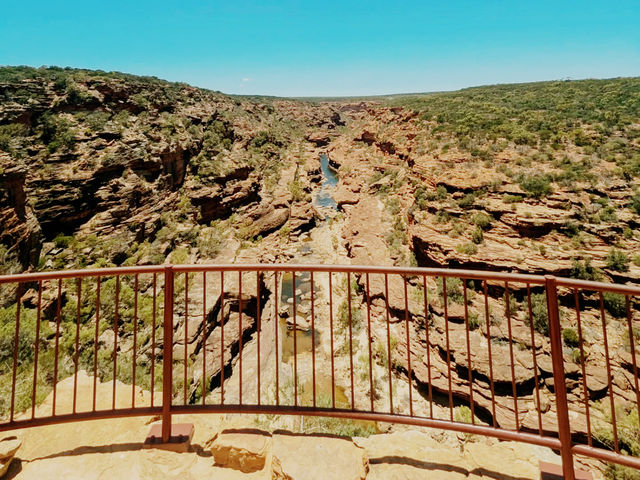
298, 48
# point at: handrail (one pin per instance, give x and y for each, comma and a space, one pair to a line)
415, 301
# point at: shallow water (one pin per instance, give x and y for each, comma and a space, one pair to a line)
325, 197
304, 339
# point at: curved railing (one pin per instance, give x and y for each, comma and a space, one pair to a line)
543, 360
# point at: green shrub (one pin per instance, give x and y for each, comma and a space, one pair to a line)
210, 241
507, 198
297, 192
608, 214
454, 289
635, 203
356, 314
421, 197
539, 313
9, 132
179, 256
467, 201
477, 236
266, 138
467, 248
615, 304
62, 240
628, 429
536, 186
620, 472
617, 260
463, 414
57, 133
570, 337
474, 321
482, 220
442, 216
441, 192
583, 270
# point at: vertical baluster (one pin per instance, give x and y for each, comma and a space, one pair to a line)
609, 377
389, 353
16, 346
353, 404
135, 339
313, 340
295, 342
153, 340
167, 351
37, 349
466, 329
585, 390
56, 347
204, 337
186, 337
488, 322
259, 328
535, 358
408, 340
275, 326
333, 379
426, 328
77, 346
222, 325
559, 378
511, 356
369, 342
240, 336
116, 320
95, 344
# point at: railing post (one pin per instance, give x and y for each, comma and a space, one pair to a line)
167, 353
560, 387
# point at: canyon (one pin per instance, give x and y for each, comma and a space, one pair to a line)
102, 169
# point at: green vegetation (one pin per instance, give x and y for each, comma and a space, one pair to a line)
583, 270
536, 186
635, 203
570, 337
615, 304
539, 313
454, 290
628, 429
617, 260
467, 201
538, 114
507, 198
57, 133
86, 319
468, 248
356, 312
477, 236
482, 220
297, 193
8, 134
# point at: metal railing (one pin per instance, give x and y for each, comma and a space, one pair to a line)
543, 360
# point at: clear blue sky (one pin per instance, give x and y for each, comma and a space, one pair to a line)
295, 48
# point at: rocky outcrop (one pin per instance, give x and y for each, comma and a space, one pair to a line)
222, 199
300, 456
19, 228
319, 138
8, 449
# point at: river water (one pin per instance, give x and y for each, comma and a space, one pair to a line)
324, 198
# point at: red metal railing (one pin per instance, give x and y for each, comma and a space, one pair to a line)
543, 360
